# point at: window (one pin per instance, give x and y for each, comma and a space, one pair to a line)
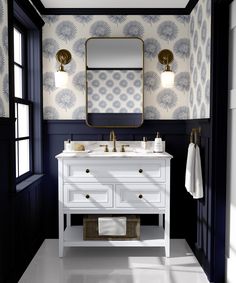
23, 107
25, 55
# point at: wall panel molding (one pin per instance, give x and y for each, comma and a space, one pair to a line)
174, 132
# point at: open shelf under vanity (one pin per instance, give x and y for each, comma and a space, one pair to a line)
150, 236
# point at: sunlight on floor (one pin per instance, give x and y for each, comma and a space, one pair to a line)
114, 265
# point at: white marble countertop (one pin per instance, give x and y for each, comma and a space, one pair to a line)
93, 150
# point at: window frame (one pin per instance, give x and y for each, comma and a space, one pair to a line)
23, 31
29, 137
23, 101
24, 17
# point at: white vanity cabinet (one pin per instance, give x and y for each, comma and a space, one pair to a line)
137, 184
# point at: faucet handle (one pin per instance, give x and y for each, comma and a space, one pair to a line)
123, 147
106, 147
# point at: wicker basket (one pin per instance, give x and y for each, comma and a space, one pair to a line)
90, 228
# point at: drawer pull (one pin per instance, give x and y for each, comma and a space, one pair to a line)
140, 196
140, 170
87, 196
87, 170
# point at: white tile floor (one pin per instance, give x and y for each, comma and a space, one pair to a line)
114, 265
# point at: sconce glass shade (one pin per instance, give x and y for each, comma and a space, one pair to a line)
61, 78
167, 79
166, 57
63, 56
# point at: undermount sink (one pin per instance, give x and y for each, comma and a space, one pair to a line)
110, 153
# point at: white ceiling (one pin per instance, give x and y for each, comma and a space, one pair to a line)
114, 3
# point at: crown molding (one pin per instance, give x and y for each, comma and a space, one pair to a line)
114, 11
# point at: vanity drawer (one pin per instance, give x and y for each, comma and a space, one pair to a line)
88, 195
140, 195
118, 169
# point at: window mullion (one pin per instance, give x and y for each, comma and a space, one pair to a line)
19, 65
17, 143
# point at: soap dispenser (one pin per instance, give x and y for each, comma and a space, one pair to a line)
68, 145
144, 143
158, 145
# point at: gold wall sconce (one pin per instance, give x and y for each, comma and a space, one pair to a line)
63, 56
166, 57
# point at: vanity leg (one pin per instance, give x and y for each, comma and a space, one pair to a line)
167, 248
60, 210
68, 220
167, 232
61, 250
167, 211
160, 220
61, 233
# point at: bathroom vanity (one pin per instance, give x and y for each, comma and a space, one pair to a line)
99, 182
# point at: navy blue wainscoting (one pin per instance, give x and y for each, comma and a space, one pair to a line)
190, 219
21, 213
6, 212
174, 132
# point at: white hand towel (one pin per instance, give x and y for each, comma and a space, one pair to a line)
198, 186
190, 169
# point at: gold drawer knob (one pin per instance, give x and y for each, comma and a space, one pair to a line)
87, 170
87, 196
140, 170
140, 196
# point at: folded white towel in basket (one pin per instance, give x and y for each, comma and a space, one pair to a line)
112, 226
193, 174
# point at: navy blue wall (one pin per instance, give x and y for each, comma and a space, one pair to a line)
21, 214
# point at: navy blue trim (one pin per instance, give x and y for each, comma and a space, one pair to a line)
114, 11
191, 4
39, 6
218, 162
105, 68
22, 8
115, 119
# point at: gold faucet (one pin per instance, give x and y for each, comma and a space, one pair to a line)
113, 138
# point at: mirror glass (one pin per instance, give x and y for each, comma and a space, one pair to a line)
114, 76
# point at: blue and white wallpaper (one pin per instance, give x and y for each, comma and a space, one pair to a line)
115, 91
4, 86
200, 42
158, 32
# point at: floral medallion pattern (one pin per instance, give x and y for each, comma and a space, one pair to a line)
4, 83
157, 32
66, 30
100, 28
181, 113
133, 28
114, 91
200, 28
151, 19
168, 30
65, 99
